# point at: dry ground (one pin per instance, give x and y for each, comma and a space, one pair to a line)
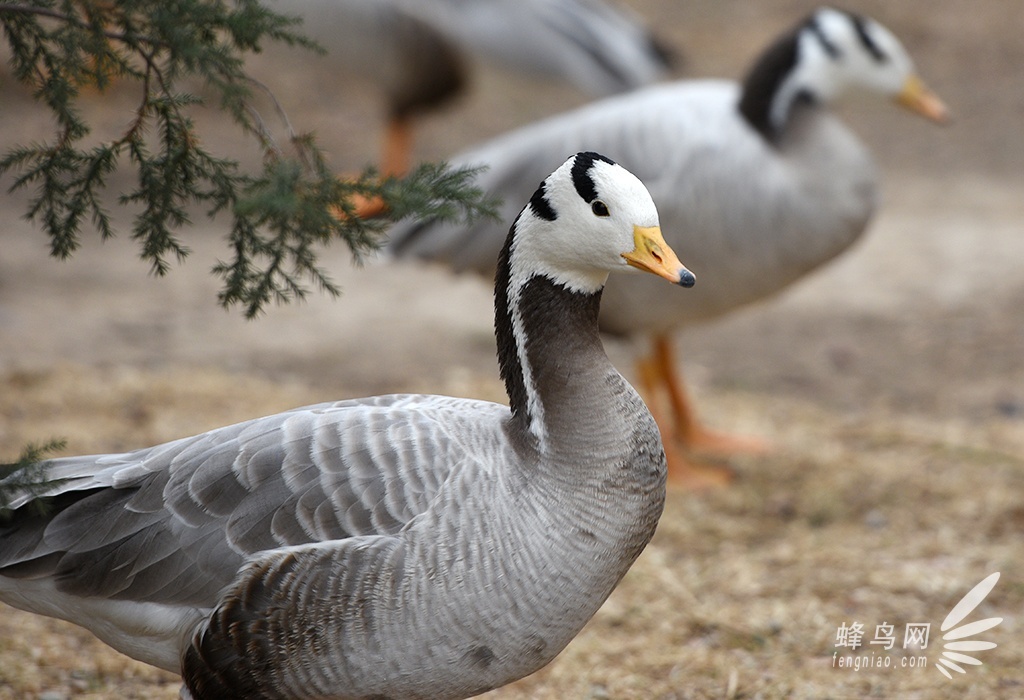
891, 383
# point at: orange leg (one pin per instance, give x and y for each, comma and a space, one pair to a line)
394, 162
694, 435
397, 147
682, 432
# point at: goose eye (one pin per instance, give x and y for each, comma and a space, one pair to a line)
599, 208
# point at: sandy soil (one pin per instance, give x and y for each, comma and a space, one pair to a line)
891, 384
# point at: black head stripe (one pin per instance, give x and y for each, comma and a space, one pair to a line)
581, 179
831, 49
861, 25
541, 206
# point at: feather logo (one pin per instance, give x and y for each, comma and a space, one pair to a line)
955, 639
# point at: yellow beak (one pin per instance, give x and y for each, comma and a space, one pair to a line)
652, 254
916, 97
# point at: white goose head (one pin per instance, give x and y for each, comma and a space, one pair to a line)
588, 218
830, 54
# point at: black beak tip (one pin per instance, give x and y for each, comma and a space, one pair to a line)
687, 279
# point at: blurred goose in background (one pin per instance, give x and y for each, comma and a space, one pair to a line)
417, 51
396, 546
757, 182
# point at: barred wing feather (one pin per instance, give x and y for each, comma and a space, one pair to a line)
174, 523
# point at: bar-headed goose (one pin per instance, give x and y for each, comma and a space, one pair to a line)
395, 546
758, 183
417, 52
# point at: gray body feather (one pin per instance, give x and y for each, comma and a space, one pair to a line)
415, 48
419, 542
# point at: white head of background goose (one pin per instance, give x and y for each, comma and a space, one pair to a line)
396, 546
757, 183
829, 54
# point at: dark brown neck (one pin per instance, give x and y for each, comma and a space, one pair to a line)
553, 361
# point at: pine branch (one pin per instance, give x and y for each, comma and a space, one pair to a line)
280, 217
28, 477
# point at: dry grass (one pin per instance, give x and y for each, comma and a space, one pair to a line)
872, 519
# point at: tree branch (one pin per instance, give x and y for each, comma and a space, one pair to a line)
280, 217
71, 19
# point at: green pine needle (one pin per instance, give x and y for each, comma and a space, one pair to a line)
28, 474
281, 217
